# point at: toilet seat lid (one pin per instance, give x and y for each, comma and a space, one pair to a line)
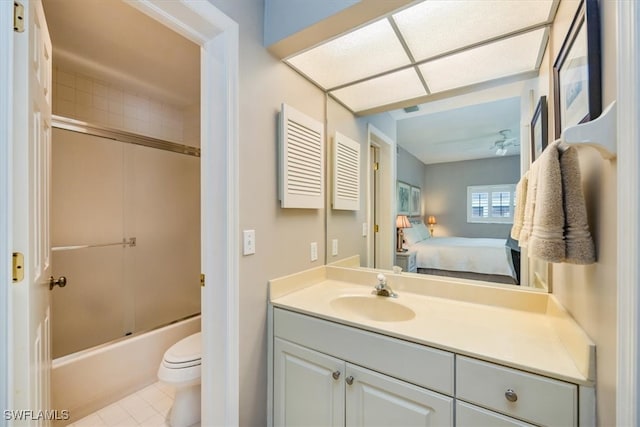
186, 350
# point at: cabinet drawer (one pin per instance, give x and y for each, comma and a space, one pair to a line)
389, 356
535, 399
473, 416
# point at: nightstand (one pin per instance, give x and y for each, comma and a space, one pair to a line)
407, 261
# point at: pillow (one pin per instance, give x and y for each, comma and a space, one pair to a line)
411, 236
422, 230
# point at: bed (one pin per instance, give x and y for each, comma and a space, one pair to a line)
464, 257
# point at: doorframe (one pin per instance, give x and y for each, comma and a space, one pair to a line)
373, 204
6, 217
628, 215
218, 35
387, 194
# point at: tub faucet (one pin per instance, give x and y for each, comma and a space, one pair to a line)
382, 289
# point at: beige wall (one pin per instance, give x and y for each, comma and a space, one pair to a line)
589, 292
283, 236
346, 226
410, 169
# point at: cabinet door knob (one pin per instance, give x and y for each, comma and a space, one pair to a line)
336, 375
349, 380
511, 395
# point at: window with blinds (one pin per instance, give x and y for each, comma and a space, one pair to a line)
491, 203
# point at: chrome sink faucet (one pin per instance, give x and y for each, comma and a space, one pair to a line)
382, 289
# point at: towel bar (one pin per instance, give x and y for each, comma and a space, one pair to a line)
600, 133
131, 242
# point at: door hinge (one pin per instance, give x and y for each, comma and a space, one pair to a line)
376, 166
376, 228
202, 280
18, 17
18, 267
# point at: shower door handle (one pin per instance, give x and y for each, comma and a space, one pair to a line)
62, 282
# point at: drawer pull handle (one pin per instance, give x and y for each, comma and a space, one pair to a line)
511, 395
349, 380
336, 375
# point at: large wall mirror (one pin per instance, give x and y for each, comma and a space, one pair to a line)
449, 163
459, 160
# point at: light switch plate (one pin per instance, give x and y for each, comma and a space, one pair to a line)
314, 251
334, 247
249, 242
364, 229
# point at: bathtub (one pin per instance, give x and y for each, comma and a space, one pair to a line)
89, 380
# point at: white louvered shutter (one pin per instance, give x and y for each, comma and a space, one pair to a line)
346, 173
301, 160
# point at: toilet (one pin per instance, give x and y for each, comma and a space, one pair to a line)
180, 368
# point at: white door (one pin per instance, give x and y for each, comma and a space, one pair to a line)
308, 387
31, 161
373, 399
374, 206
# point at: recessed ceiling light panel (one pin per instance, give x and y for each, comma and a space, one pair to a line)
370, 50
384, 90
434, 27
492, 61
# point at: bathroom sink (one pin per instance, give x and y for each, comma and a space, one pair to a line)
381, 309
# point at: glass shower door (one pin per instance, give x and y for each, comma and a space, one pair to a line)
105, 193
86, 214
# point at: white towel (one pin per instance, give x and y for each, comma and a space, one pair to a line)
547, 236
529, 206
579, 244
521, 198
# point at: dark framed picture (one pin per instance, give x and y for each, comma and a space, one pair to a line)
539, 129
576, 71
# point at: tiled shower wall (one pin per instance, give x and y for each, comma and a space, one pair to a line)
80, 97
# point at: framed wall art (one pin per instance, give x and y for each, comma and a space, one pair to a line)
539, 129
403, 195
576, 71
415, 204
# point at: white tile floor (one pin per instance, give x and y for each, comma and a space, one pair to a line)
148, 408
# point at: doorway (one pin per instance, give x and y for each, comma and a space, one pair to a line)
381, 193
374, 204
217, 35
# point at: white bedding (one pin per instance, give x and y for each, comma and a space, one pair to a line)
486, 256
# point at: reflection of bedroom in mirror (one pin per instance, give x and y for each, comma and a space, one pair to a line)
467, 161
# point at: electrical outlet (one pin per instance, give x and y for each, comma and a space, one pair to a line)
334, 247
249, 242
314, 251
364, 229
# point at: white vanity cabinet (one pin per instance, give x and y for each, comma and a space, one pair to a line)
314, 389
327, 374
441, 353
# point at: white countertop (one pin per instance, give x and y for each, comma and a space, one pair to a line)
543, 341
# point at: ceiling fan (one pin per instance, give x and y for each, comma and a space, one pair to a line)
501, 144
